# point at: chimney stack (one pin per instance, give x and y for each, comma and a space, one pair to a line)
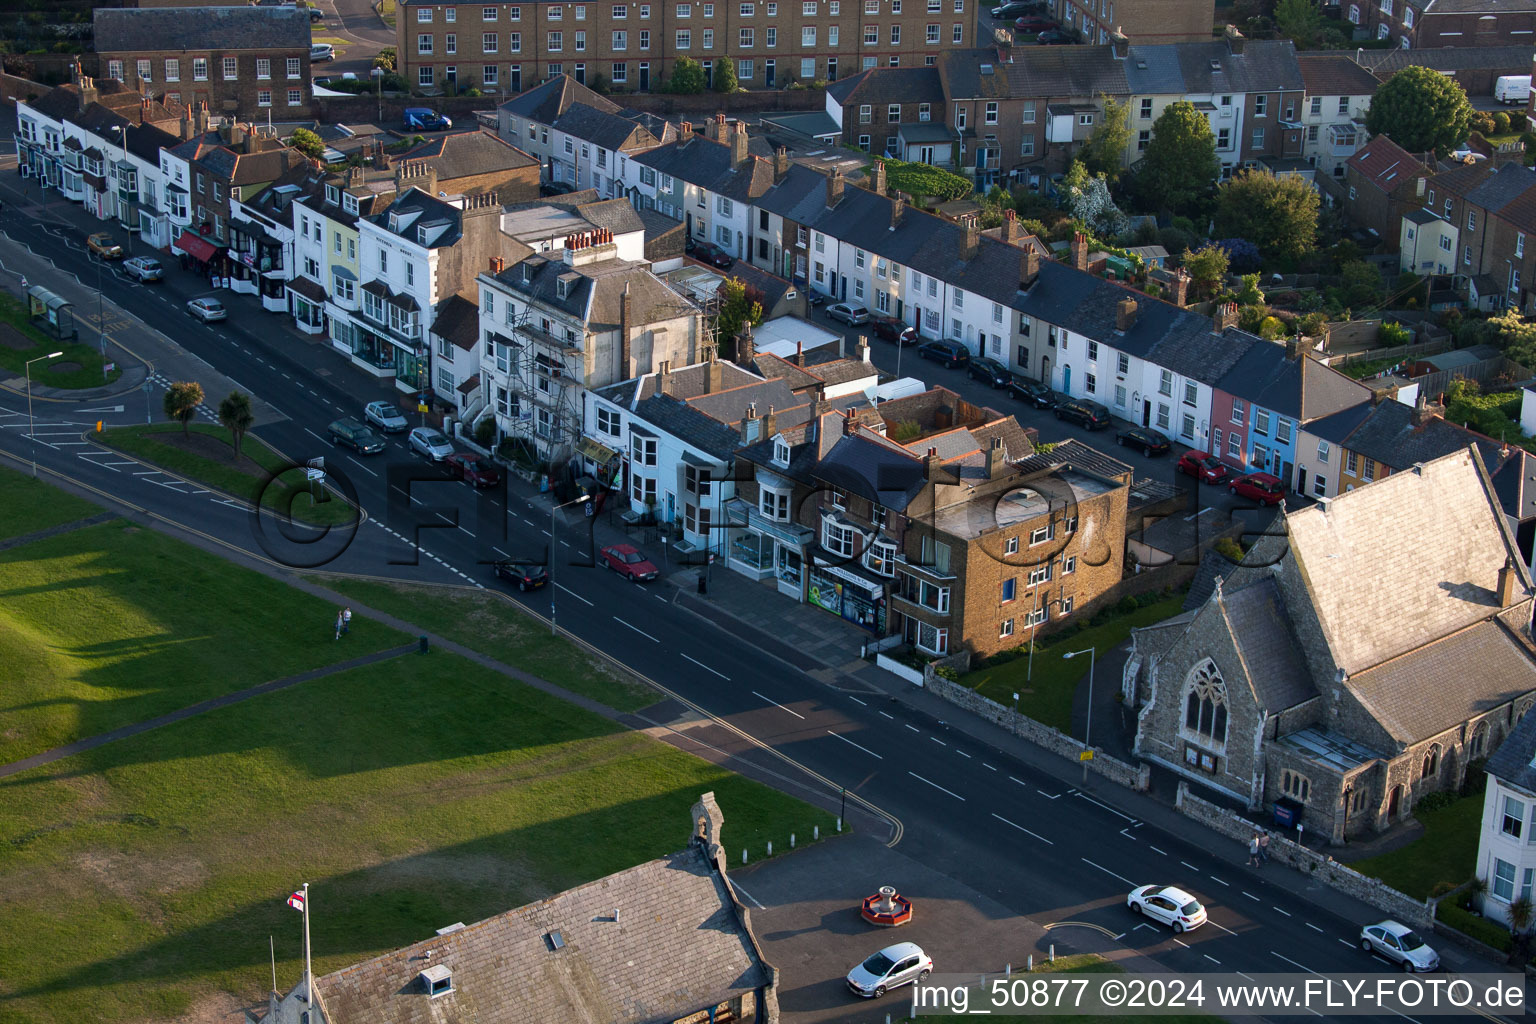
1294, 348
970, 237
780, 164
685, 133
1226, 316
738, 144
861, 349
1425, 410
1079, 250
799, 353
996, 459
722, 130
1029, 266
750, 425
1508, 577
1012, 229
186, 123
1121, 44
664, 376
88, 92
877, 181
626, 324
498, 264
1234, 40
834, 188
1125, 314
770, 424
898, 209
931, 464
202, 118
714, 375
746, 346
1181, 288
849, 425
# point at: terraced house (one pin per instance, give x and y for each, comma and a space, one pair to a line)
577, 136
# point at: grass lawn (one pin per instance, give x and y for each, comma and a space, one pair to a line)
113, 624
83, 361
31, 505
1359, 369
209, 458
486, 623
143, 879
387, 12
1446, 852
1047, 697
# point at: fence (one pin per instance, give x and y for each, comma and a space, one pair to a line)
1418, 348
1482, 371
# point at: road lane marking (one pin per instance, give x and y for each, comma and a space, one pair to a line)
1108, 808
1021, 828
1106, 870
1251, 896
500, 552
748, 896
1215, 879
1189, 865
637, 629
938, 741
1127, 834
890, 716
360, 466
781, 707
857, 701
317, 437
1351, 945
1218, 924
963, 754
1213, 960
936, 786
1182, 943
1293, 963
1315, 928
1155, 849
706, 668
850, 742
913, 727
578, 597
988, 767
1048, 796
470, 532
1279, 911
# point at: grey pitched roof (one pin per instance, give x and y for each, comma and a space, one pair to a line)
1512, 762
1265, 65
545, 102
706, 163
1387, 434
616, 215
1335, 74
595, 291
139, 30
468, 154
1035, 71
458, 320
145, 141
603, 128
882, 86
1409, 694
1262, 631
1385, 63
880, 472
417, 208
678, 947
1213, 568
1298, 387
1506, 184
1514, 480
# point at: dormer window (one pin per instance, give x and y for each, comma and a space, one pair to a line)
395, 222
349, 203
561, 288
332, 194
781, 451
437, 980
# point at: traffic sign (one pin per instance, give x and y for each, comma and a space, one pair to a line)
1085, 755
317, 463
315, 474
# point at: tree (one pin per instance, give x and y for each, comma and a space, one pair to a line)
1421, 109
1242, 255
739, 305
1508, 331
181, 401
1208, 266
687, 76
1279, 215
725, 75
307, 142
236, 416
384, 60
1299, 20
1180, 163
1089, 201
1104, 152
1359, 284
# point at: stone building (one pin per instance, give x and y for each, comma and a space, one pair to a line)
1330, 668
241, 61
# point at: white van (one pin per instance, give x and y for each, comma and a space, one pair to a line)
1512, 90
325, 51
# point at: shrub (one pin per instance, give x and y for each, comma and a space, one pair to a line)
1481, 929
1436, 801
1242, 255
485, 432
1517, 120
1229, 549
1390, 335
925, 180
1272, 328
1442, 888
1501, 123
1482, 121
1127, 604
1250, 318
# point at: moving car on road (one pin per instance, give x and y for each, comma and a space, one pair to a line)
473, 469
1173, 907
989, 371
1203, 466
357, 435
1032, 391
894, 966
849, 313
1399, 944
1145, 438
431, 442
385, 416
1086, 414
949, 353
1260, 487
522, 576
144, 269
102, 244
207, 310
625, 560
891, 329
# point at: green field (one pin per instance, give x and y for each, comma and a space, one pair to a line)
1446, 852
81, 350
156, 444
112, 624
30, 505
490, 625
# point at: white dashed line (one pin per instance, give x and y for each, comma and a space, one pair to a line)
1182, 943
706, 668
912, 727
360, 466
1026, 831
1048, 796
747, 895
637, 629
1287, 913
1223, 927
573, 593
1293, 963
776, 704
988, 767
1251, 896
890, 716
1219, 881
1315, 928
1108, 808
1351, 945
963, 754
500, 552
1106, 870
938, 741
850, 742
857, 701
936, 786
1155, 849
1213, 959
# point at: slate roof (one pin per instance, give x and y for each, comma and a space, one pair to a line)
1265, 65
1506, 184
1385, 164
458, 320
1408, 695
545, 102
882, 86
1386, 433
1074, 454
1334, 74
139, 30
1264, 637
1512, 761
678, 946
707, 164
616, 215
1298, 388
602, 128
597, 291
62, 103
1514, 481
1034, 72
467, 155
145, 141
417, 207
1404, 561
1385, 63
1214, 567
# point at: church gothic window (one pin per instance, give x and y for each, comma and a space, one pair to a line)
1205, 709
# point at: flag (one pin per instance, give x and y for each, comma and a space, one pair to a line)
296, 901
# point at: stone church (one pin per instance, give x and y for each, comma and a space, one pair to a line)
1366, 650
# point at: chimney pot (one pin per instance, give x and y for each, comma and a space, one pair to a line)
1125, 314
970, 239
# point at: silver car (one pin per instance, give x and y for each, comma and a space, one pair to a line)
852, 315
430, 442
1400, 944
902, 964
385, 416
144, 269
207, 310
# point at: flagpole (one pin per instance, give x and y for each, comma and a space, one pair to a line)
272, 948
309, 975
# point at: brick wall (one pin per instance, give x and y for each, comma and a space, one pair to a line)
13, 89
368, 107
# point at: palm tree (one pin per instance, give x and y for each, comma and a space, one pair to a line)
1519, 928
236, 416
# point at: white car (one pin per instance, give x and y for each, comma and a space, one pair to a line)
142, 268
207, 310
1400, 944
430, 442
385, 416
1173, 907
850, 314
892, 967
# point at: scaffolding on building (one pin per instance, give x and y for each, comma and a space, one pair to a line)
543, 382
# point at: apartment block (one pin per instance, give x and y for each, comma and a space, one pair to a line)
1428, 24
1143, 21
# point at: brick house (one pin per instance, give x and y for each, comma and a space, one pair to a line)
1381, 184
873, 107
1144, 21
1328, 669
502, 46
474, 163
241, 61
1491, 211
1431, 24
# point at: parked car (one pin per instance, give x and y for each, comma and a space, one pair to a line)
386, 417
950, 353
1032, 391
894, 966
989, 371
709, 252
556, 188
1034, 23
1400, 944
1148, 440
316, 14
1263, 488
357, 435
850, 313
1055, 37
102, 244
521, 575
817, 298
473, 469
1017, 8
431, 442
625, 560
144, 269
1086, 414
1173, 907
891, 329
207, 310
1203, 466
321, 52
425, 119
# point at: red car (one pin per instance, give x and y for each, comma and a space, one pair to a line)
1034, 23
626, 561
473, 469
1203, 466
1260, 487
891, 329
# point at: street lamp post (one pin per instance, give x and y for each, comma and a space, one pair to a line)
378, 81
1088, 724
31, 424
101, 320
553, 508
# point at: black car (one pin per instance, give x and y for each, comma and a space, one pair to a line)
1032, 391
709, 252
1015, 8
1086, 414
950, 353
891, 329
1054, 37
522, 575
989, 371
556, 188
1148, 440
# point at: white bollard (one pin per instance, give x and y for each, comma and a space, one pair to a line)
1053, 952
743, 854
815, 831
1029, 965
1007, 970
770, 847
839, 824
791, 840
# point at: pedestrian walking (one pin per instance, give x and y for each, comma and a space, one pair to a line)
346, 627
339, 623
1253, 851
1264, 848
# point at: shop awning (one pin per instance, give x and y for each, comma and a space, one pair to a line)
870, 587
596, 451
199, 249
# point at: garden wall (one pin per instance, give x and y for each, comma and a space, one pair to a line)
365, 106
1324, 868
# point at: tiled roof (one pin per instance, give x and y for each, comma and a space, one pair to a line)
1074, 454
1386, 434
467, 155
1404, 561
595, 294
1034, 72
249, 168
707, 164
1506, 184
1521, 212
1515, 760
1262, 631
458, 320
616, 215
676, 947
140, 30
1335, 74
543, 103
1297, 387
1410, 697
881, 86
603, 129
1385, 164
1515, 59
1264, 65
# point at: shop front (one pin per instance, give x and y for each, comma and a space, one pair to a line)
848, 594
199, 254
306, 301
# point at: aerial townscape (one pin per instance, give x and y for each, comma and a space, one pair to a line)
536, 511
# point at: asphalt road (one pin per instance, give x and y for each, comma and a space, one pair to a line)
1035, 842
